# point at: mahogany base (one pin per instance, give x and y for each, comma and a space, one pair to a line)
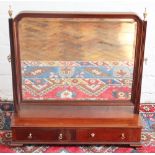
93, 127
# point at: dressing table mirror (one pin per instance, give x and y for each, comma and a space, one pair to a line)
76, 77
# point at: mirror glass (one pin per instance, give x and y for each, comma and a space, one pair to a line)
76, 58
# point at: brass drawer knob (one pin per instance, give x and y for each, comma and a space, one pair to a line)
92, 135
123, 136
60, 136
30, 136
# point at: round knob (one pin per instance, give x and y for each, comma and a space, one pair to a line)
60, 136
9, 58
92, 135
30, 136
123, 136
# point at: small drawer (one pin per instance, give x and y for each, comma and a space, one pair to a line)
41, 134
108, 135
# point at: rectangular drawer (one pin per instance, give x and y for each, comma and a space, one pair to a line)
42, 134
79, 135
108, 135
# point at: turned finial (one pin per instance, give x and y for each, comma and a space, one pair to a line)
10, 12
145, 14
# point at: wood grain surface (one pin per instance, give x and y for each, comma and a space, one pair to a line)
76, 39
37, 41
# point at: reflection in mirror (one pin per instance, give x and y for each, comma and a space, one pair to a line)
76, 58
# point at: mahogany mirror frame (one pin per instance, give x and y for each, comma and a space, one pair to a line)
138, 60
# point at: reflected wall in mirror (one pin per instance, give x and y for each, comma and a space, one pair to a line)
76, 58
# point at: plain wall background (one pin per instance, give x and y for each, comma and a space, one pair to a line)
137, 6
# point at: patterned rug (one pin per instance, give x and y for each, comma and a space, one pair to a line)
77, 80
148, 136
